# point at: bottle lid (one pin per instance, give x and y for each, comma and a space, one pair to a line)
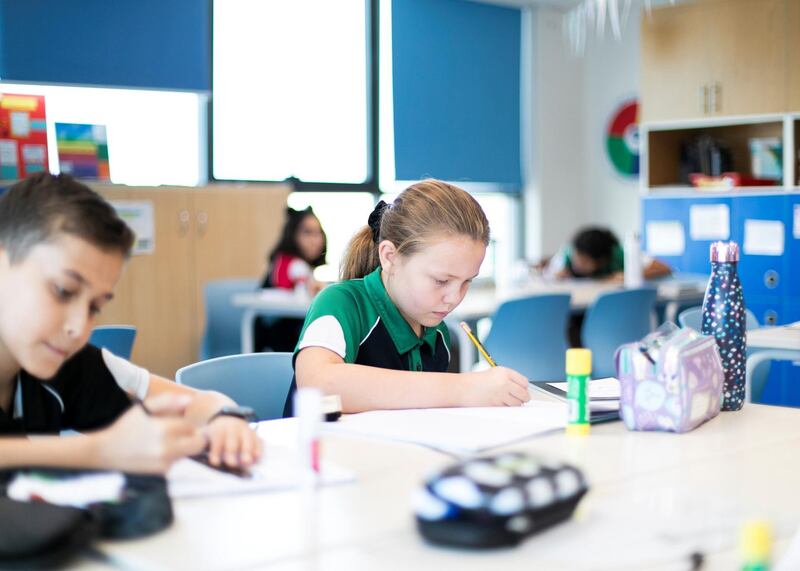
724, 252
756, 540
579, 361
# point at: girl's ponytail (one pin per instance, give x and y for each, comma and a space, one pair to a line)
361, 255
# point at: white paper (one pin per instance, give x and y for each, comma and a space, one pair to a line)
79, 491
796, 232
20, 124
34, 154
139, 216
709, 222
763, 237
8, 152
279, 470
459, 431
665, 238
599, 389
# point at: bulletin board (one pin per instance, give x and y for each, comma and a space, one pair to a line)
23, 135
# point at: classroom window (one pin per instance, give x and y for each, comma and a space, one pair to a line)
290, 90
154, 137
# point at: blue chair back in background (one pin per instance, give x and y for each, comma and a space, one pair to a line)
116, 338
693, 317
257, 380
614, 319
223, 331
530, 336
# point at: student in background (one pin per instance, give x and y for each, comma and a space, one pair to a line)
301, 248
378, 338
596, 253
62, 251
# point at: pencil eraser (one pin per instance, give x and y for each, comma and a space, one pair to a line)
332, 407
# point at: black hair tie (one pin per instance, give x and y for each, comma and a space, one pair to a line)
375, 219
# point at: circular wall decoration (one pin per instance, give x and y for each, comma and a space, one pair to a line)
622, 139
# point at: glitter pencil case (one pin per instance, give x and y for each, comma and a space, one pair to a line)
670, 381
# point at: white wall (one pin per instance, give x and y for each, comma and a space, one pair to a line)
611, 75
571, 181
555, 200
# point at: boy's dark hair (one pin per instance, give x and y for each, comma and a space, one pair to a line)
288, 241
597, 243
37, 208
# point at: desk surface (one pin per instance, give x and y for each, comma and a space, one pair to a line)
786, 337
654, 497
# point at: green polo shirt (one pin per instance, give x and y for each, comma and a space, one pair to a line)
358, 321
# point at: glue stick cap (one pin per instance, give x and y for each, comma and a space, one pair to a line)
756, 541
579, 361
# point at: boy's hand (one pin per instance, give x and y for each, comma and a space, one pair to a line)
138, 442
232, 442
498, 386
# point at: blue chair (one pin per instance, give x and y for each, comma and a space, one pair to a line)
257, 380
693, 317
530, 336
223, 330
116, 338
614, 319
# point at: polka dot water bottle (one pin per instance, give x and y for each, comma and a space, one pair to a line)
724, 318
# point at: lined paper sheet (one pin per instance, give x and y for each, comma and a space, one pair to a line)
459, 431
279, 470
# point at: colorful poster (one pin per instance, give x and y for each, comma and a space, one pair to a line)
83, 150
23, 135
622, 139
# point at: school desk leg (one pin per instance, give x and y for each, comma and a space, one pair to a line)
248, 322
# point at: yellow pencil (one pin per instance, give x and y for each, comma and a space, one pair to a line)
477, 343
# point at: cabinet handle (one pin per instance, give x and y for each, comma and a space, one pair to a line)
716, 98
704, 99
202, 222
183, 222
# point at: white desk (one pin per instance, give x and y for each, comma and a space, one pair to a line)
480, 302
767, 343
682, 492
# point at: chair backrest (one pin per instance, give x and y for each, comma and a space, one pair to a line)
693, 317
223, 330
614, 319
116, 338
530, 336
258, 380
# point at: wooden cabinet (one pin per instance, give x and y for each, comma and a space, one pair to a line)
712, 58
793, 55
674, 65
201, 234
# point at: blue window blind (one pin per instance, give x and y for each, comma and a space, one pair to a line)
131, 43
456, 83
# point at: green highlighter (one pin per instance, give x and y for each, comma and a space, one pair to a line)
579, 369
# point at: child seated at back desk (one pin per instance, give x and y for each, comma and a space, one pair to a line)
62, 251
596, 253
377, 339
301, 248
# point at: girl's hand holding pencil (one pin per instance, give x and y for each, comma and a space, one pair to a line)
498, 386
